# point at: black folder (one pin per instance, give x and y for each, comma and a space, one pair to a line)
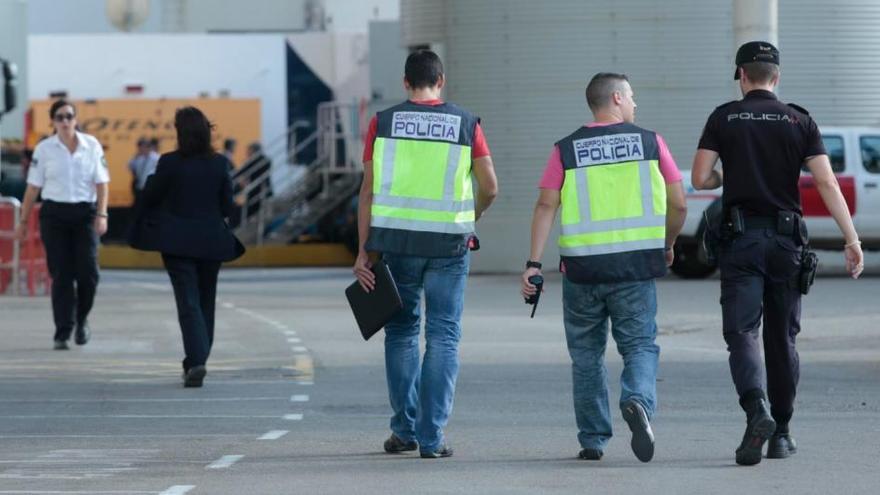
373, 310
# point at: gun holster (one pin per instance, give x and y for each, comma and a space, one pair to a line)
710, 240
809, 259
807, 275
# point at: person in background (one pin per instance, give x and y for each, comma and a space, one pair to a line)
70, 171
229, 152
142, 165
185, 203
254, 171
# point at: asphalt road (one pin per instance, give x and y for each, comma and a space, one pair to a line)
295, 402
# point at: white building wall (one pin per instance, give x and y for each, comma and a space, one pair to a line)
167, 65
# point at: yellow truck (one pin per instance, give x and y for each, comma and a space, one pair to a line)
119, 123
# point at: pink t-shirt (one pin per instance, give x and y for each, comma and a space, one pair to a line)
554, 175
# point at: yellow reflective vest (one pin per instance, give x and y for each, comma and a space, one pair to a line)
613, 218
423, 198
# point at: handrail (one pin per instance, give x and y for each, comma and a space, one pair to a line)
332, 130
14, 264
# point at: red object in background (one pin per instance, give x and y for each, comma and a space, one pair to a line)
31, 257
135, 89
812, 203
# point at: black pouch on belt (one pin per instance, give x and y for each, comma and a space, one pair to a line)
736, 221
786, 222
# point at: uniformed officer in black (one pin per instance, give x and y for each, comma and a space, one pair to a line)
70, 171
762, 144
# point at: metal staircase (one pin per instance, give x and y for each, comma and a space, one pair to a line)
308, 192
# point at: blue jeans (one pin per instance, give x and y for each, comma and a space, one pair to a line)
631, 307
421, 395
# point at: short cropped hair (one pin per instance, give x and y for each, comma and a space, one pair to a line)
602, 86
423, 69
760, 72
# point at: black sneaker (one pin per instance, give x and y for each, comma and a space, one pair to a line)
394, 445
590, 454
760, 427
82, 334
780, 446
442, 451
61, 345
642, 442
194, 376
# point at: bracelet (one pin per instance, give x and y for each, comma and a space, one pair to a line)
533, 264
102, 215
853, 243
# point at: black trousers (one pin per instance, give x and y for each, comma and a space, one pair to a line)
71, 244
758, 282
195, 292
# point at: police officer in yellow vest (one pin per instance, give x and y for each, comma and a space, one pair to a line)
417, 208
622, 208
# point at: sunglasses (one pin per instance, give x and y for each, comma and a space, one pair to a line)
61, 117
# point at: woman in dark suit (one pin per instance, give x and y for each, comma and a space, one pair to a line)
185, 204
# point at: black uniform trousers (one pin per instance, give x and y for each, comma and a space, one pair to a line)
71, 245
195, 291
758, 279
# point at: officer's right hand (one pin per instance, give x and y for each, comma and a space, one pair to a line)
528, 289
362, 271
855, 260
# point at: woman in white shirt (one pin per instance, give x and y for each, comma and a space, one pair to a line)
70, 170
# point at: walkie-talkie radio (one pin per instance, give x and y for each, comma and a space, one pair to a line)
538, 282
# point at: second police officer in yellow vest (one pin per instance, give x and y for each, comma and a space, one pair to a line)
417, 208
622, 208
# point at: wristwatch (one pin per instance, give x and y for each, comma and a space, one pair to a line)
533, 264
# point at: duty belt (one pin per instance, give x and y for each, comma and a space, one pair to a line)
754, 223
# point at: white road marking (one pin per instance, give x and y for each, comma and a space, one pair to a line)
274, 435
152, 286
306, 383
294, 340
224, 462
290, 333
299, 398
178, 490
299, 348
293, 417
227, 305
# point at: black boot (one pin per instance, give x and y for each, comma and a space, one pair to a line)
781, 444
759, 428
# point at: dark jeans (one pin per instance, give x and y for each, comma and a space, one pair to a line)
758, 271
195, 292
71, 244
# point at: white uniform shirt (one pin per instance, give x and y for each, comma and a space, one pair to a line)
66, 177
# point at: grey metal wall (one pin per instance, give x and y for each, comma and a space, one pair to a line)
830, 57
523, 66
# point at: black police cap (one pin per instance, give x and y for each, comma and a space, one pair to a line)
755, 51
